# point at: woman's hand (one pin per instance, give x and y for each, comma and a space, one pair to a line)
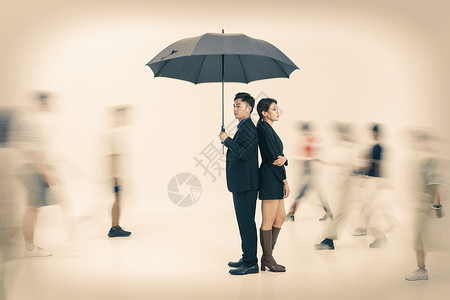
280, 161
286, 189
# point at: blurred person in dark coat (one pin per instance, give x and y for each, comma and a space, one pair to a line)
372, 209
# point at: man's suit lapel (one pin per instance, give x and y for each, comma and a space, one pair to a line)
236, 135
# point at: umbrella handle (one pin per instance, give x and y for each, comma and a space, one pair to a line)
223, 146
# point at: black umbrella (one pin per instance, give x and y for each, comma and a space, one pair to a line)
215, 57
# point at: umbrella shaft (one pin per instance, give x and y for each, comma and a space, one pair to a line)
223, 75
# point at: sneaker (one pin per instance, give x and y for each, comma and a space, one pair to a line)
36, 252
327, 216
117, 231
326, 244
418, 274
378, 243
359, 232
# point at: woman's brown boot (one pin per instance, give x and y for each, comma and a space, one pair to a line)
267, 259
275, 233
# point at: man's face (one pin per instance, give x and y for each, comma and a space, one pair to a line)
241, 109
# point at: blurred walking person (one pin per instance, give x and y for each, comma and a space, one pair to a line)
119, 165
345, 161
37, 172
309, 176
371, 210
425, 189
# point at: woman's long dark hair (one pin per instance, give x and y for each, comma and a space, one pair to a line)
263, 105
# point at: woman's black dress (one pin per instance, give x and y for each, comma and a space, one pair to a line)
270, 176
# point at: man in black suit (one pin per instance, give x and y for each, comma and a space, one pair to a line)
242, 181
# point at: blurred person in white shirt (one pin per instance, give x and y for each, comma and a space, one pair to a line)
119, 164
344, 160
37, 170
426, 181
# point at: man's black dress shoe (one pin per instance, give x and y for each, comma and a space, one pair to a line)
245, 269
236, 264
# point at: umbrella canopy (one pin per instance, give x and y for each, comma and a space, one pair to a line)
215, 57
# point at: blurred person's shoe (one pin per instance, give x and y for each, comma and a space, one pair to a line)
244, 270
326, 244
290, 217
117, 231
36, 252
419, 274
327, 216
378, 243
236, 264
391, 228
359, 231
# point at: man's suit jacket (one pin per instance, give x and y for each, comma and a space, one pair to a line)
242, 159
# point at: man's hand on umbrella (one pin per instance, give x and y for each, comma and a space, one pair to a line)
223, 136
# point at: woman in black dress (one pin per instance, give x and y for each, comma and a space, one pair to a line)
273, 185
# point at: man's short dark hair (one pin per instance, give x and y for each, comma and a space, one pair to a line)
246, 97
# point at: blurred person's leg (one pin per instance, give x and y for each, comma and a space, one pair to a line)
366, 208
118, 167
317, 186
115, 211
420, 220
296, 202
325, 205
375, 225
10, 249
29, 220
2, 276
37, 189
116, 230
420, 257
306, 182
334, 227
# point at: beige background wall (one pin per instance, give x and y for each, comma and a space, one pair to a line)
360, 61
